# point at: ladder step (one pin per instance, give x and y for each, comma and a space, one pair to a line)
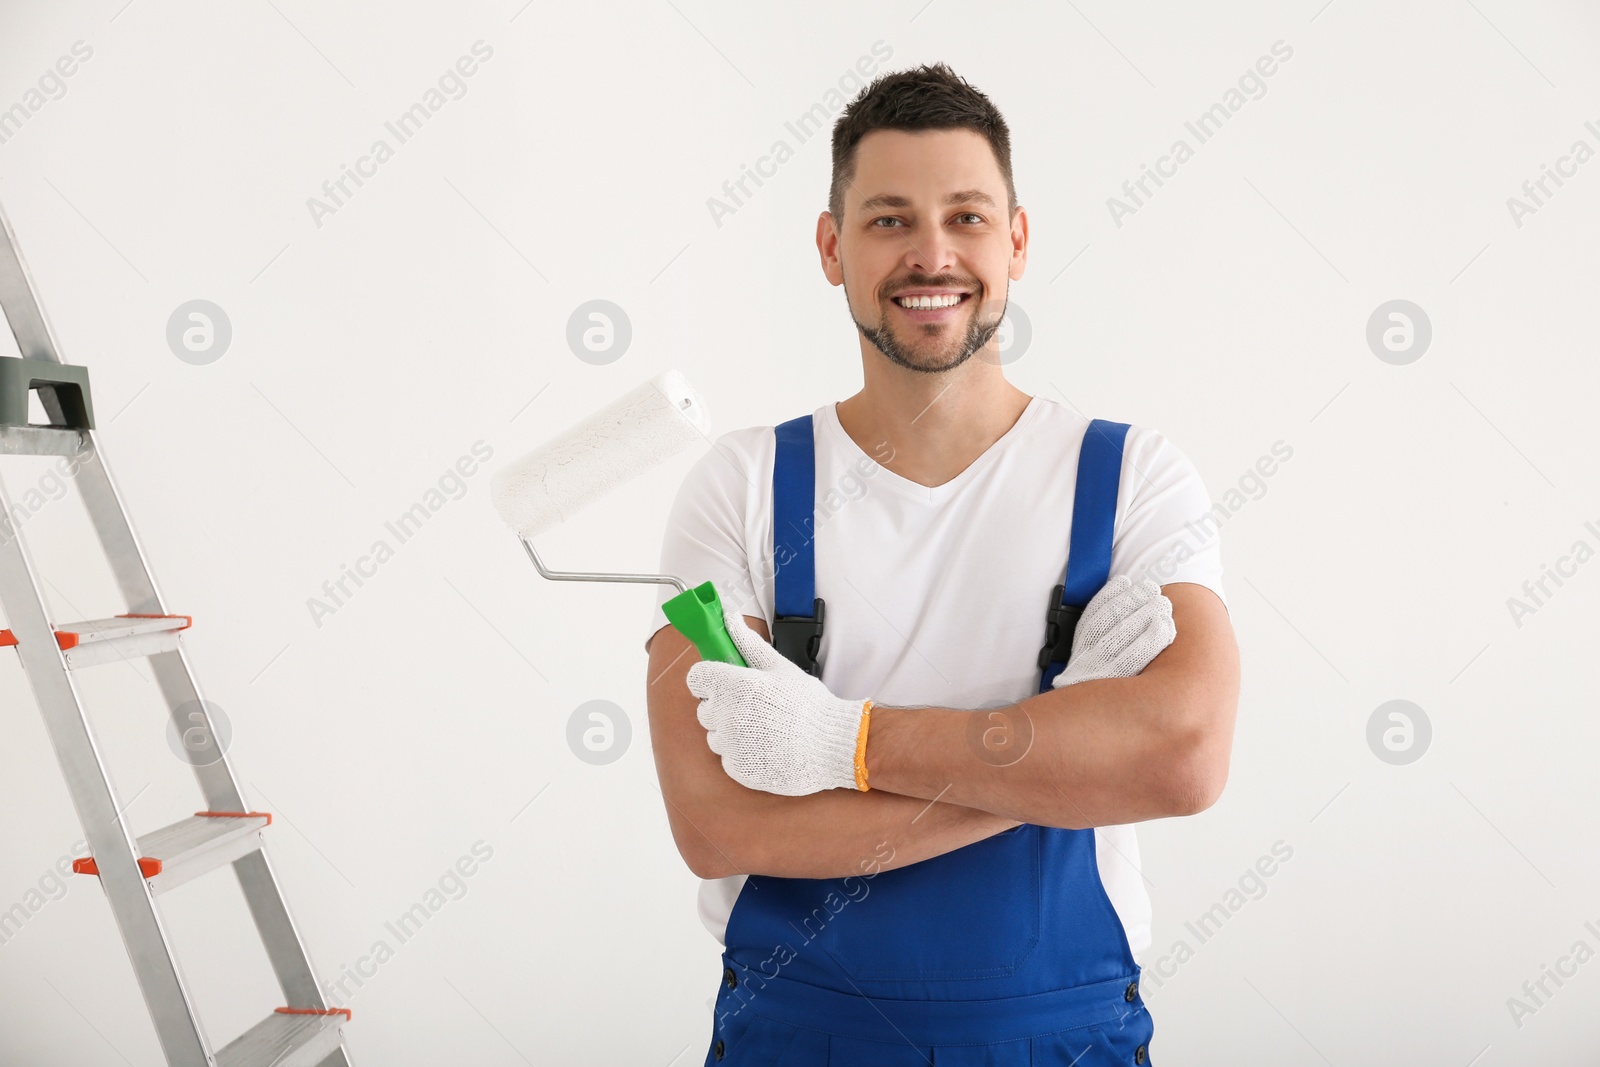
289, 1037
182, 852
84, 644
41, 441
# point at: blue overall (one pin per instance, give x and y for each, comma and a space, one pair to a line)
1006, 952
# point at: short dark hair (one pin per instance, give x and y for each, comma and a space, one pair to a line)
929, 97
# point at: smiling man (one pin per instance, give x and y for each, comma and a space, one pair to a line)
913, 824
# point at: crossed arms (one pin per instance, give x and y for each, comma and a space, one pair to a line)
1103, 752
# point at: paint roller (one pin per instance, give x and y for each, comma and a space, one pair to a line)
636, 432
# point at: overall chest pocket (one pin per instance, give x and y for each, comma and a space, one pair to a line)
971, 913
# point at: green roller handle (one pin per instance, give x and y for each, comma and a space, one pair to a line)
697, 613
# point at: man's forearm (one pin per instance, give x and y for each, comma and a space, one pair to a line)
1098, 753
838, 832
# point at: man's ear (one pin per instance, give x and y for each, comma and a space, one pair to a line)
828, 248
1019, 243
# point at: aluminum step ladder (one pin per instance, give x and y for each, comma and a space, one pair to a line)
305, 1032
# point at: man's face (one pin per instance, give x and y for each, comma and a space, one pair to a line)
925, 217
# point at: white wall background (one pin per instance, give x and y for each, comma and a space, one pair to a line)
429, 312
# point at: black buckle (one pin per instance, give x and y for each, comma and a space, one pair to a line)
1060, 624
799, 638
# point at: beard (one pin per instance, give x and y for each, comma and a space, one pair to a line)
925, 350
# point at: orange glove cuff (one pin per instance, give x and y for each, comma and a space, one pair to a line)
861, 748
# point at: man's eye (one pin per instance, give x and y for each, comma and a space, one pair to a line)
970, 215
884, 218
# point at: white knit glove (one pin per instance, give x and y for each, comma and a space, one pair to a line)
776, 727
1123, 627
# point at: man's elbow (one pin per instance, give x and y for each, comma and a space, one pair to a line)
1200, 770
705, 856
701, 865
1195, 791
706, 862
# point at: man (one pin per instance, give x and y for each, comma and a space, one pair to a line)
917, 856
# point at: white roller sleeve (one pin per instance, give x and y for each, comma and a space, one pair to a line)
642, 428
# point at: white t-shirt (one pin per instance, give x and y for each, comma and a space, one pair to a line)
937, 595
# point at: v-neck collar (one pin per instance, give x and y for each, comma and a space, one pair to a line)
930, 494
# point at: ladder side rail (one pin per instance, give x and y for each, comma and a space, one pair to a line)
111, 525
19, 301
268, 908
264, 897
279, 934
138, 586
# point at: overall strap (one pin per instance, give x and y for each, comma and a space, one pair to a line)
797, 626
1094, 512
